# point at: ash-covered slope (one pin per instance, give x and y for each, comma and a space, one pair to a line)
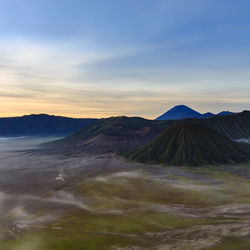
191, 144
112, 135
121, 134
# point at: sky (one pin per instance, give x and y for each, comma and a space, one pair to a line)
101, 58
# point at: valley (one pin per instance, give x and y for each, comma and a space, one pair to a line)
104, 202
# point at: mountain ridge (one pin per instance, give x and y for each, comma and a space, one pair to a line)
182, 111
41, 124
120, 134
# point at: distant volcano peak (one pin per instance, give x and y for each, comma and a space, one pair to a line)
182, 111
179, 112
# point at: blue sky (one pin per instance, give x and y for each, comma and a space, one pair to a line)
101, 58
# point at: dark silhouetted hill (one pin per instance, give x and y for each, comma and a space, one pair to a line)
225, 113
42, 124
207, 115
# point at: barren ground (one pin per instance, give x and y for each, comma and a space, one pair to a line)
102, 202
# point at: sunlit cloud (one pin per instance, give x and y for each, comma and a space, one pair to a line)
89, 86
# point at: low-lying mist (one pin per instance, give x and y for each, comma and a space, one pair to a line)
21, 212
103, 195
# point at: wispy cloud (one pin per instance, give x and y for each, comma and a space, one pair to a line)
113, 59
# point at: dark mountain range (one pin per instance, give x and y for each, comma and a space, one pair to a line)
182, 112
120, 134
234, 126
42, 124
191, 144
